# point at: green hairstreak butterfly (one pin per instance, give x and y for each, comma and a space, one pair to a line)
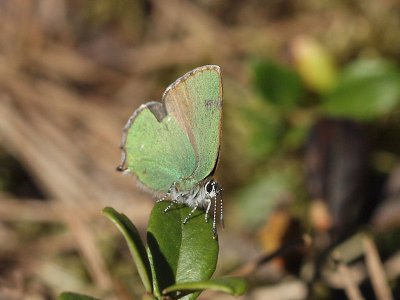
172, 146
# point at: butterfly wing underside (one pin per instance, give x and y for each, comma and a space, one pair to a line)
156, 148
195, 101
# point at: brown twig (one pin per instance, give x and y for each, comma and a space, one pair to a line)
376, 270
349, 284
252, 266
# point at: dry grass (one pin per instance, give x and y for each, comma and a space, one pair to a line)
64, 100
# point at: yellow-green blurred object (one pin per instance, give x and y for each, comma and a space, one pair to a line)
314, 64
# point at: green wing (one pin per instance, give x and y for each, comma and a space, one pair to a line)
195, 101
156, 148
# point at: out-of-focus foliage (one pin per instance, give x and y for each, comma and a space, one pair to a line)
279, 85
367, 89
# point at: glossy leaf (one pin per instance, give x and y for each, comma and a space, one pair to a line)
135, 244
231, 285
74, 296
180, 252
367, 89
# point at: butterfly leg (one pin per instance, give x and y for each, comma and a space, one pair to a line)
162, 198
207, 210
167, 194
173, 203
191, 213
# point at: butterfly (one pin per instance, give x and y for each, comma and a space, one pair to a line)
172, 146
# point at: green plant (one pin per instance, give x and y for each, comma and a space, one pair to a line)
178, 260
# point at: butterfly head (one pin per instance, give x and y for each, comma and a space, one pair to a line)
212, 189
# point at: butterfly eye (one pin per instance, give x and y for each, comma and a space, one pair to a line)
210, 186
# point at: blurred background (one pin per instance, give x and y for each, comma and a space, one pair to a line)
310, 148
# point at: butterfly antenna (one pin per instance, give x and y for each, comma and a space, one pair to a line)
221, 213
215, 219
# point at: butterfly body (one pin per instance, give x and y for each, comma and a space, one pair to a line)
199, 196
172, 146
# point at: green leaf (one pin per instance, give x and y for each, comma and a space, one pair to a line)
180, 252
135, 244
231, 285
278, 84
366, 90
74, 296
